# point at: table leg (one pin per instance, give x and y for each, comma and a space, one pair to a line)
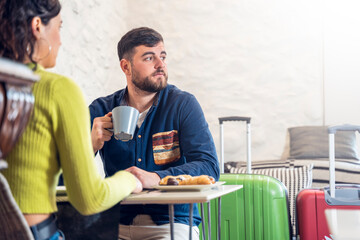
219, 219
209, 220
202, 220
171, 216
190, 220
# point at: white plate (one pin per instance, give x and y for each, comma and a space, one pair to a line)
186, 187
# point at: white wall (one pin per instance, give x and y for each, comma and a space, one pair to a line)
342, 64
259, 58
90, 33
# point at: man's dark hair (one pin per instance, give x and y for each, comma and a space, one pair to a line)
136, 37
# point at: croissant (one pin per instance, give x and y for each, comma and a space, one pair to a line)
199, 180
187, 180
173, 180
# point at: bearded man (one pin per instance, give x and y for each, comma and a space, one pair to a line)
172, 136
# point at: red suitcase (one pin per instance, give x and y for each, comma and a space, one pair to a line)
312, 203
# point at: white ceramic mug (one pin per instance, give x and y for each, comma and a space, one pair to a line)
124, 120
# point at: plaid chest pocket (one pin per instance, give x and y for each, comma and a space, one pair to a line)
166, 147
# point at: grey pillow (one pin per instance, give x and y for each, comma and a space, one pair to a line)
313, 142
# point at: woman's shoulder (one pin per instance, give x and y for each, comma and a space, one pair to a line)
51, 77
56, 82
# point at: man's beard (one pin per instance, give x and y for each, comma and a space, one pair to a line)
146, 85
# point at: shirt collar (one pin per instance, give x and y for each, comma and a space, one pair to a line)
124, 100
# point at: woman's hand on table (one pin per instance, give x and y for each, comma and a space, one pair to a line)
148, 179
138, 187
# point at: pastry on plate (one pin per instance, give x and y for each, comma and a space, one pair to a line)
187, 180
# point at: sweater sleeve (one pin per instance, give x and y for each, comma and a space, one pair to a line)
88, 192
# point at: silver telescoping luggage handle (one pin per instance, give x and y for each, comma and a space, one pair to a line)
248, 133
224, 119
332, 130
345, 127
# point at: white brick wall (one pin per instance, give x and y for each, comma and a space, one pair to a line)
261, 58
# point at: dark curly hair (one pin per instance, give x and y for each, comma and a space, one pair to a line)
136, 37
16, 38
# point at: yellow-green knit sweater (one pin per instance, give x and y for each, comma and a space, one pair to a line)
58, 138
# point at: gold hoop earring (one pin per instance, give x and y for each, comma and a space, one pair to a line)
46, 41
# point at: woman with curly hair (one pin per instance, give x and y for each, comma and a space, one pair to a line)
57, 138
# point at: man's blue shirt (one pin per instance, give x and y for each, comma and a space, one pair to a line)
174, 139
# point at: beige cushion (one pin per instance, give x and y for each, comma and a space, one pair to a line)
347, 171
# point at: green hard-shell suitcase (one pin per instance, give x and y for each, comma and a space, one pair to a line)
259, 211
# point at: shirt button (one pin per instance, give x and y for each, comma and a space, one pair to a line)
139, 136
139, 159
